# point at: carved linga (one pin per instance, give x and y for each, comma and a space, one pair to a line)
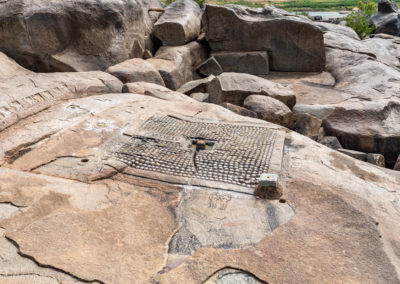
228, 153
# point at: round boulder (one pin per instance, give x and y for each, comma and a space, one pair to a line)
270, 109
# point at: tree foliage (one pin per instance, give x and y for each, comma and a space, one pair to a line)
359, 20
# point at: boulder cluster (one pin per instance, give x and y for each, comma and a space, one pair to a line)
97, 169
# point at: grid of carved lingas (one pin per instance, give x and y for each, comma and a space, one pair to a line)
233, 153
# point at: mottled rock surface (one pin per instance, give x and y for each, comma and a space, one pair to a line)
235, 87
240, 110
180, 23
387, 20
25, 95
82, 35
254, 62
9, 68
75, 211
153, 186
135, 70
200, 85
177, 64
293, 44
271, 110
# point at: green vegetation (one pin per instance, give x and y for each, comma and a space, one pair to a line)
297, 5
359, 20
290, 5
242, 2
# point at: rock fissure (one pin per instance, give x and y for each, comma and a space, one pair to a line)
49, 266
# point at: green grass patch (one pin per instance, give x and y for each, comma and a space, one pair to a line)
298, 5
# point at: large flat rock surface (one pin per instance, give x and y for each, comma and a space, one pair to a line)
70, 212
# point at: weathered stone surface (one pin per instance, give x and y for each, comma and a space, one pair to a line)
25, 95
196, 86
271, 110
386, 48
17, 269
255, 62
339, 176
372, 105
135, 70
9, 68
387, 6
269, 187
210, 67
201, 97
230, 275
202, 233
387, 20
82, 35
376, 159
240, 110
235, 87
180, 23
154, 90
320, 111
343, 42
368, 127
151, 42
307, 125
354, 154
331, 142
177, 64
329, 27
99, 223
293, 44
397, 164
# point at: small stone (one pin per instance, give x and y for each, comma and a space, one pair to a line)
331, 142
268, 187
397, 165
210, 67
179, 24
240, 110
147, 54
355, 154
376, 159
308, 125
201, 97
250, 62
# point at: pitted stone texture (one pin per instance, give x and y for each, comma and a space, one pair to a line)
235, 154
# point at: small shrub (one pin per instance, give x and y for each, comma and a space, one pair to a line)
359, 20
200, 2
